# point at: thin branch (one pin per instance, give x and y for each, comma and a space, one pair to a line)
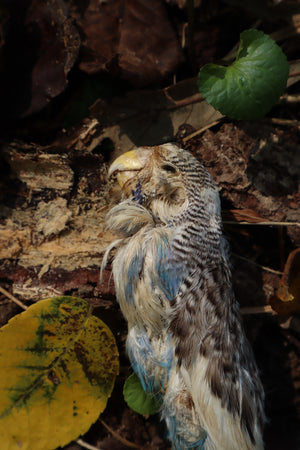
196, 98
284, 122
285, 33
196, 133
276, 224
267, 309
290, 98
267, 269
183, 39
295, 74
86, 445
120, 438
12, 298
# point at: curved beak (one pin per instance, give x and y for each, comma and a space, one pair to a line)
129, 163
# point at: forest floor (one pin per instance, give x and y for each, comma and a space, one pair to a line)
75, 96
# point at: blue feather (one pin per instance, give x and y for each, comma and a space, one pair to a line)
178, 441
138, 356
137, 193
143, 361
133, 277
170, 275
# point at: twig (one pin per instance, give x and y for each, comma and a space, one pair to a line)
276, 224
196, 133
196, 98
86, 445
120, 438
284, 122
267, 309
267, 269
12, 298
290, 98
285, 33
295, 74
183, 39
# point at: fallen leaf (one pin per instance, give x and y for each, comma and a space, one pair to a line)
150, 117
57, 51
131, 38
41, 46
58, 368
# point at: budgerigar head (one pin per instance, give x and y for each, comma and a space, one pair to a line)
164, 179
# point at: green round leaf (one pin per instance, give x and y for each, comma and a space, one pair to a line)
58, 365
252, 84
137, 399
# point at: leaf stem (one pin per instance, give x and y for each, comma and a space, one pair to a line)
267, 223
86, 445
197, 132
267, 309
120, 438
266, 269
12, 298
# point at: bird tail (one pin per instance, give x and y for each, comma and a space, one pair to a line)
179, 414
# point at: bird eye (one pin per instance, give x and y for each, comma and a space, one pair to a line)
168, 168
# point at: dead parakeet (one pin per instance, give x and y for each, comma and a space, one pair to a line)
173, 282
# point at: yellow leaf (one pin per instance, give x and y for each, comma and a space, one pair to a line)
58, 365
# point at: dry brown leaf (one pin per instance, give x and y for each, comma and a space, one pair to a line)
152, 117
131, 38
41, 46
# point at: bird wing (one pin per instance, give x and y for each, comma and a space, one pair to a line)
216, 361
